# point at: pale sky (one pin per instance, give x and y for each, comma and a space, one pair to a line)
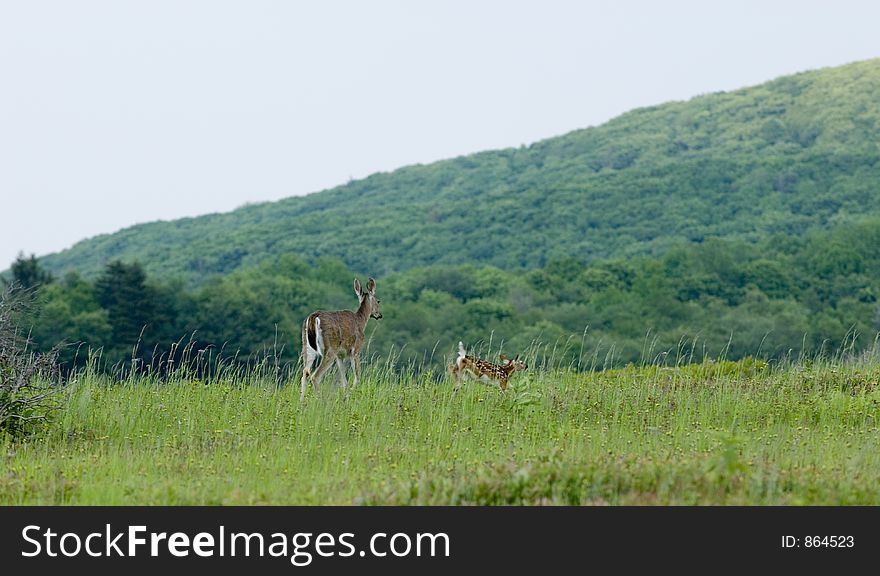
120, 112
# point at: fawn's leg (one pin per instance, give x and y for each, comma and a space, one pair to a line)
456, 374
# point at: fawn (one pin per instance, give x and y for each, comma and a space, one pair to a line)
483, 370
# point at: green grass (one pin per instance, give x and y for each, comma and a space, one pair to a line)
714, 433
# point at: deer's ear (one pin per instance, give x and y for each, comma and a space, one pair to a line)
357, 287
371, 286
503, 356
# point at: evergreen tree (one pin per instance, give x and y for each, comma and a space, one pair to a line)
27, 273
122, 291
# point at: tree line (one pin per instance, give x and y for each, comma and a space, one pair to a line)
782, 296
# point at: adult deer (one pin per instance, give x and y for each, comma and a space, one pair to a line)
483, 370
336, 335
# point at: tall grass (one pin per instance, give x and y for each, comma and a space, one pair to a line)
798, 431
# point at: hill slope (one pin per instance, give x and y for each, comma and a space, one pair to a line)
787, 156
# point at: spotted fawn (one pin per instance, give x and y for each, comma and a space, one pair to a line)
466, 366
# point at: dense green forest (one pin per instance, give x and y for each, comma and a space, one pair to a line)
786, 157
781, 297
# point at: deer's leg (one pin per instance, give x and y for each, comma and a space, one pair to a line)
309, 355
456, 375
327, 361
341, 368
356, 368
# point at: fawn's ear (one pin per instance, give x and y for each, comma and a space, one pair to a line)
357, 287
503, 356
371, 286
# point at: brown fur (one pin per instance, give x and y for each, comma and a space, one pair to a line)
343, 330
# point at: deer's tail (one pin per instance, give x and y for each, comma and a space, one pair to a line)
312, 334
319, 339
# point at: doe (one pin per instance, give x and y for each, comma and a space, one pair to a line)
335, 335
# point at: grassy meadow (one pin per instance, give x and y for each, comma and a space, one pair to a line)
718, 432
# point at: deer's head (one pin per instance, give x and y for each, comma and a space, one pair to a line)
515, 362
370, 296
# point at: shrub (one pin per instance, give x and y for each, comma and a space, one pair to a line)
26, 377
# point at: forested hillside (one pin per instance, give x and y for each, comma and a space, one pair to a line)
792, 155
